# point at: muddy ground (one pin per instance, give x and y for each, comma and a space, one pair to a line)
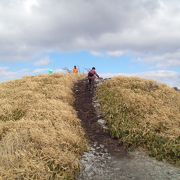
107, 159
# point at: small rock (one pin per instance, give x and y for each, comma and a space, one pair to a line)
96, 105
92, 149
105, 128
99, 116
102, 146
105, 150
95, 144
101, 122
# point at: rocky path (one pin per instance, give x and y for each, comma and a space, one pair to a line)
107, 159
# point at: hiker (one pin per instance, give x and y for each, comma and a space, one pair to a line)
75, 70
92, 75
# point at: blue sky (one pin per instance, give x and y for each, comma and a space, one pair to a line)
132, 38
84, 61
103, 64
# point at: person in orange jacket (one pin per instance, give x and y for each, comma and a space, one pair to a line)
75, 70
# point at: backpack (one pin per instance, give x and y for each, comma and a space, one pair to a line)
90, 74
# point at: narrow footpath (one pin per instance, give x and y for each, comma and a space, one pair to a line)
107, 159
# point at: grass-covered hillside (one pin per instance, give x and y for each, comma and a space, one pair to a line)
143, 113
40, 135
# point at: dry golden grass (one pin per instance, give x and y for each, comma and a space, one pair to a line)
40, 134
143, 113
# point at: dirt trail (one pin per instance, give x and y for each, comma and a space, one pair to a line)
107, 158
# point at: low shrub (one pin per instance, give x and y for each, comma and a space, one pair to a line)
143, 113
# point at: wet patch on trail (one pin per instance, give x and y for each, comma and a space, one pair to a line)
107, 159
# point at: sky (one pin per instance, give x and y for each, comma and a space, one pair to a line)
131, 38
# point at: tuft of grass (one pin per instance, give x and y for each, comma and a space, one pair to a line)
40, 134
143, 113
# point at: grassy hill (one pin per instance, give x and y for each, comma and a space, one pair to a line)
40, 135
144, 114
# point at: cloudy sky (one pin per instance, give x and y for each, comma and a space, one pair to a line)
132, 37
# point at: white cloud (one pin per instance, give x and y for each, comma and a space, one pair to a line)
41, 26
6, 74
46, 71
59, 71
96, 53
29, 4
40, 70
165, 60
42, 62
171, 78
115, 53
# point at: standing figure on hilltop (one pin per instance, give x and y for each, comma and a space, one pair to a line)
75, 70
92, 75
